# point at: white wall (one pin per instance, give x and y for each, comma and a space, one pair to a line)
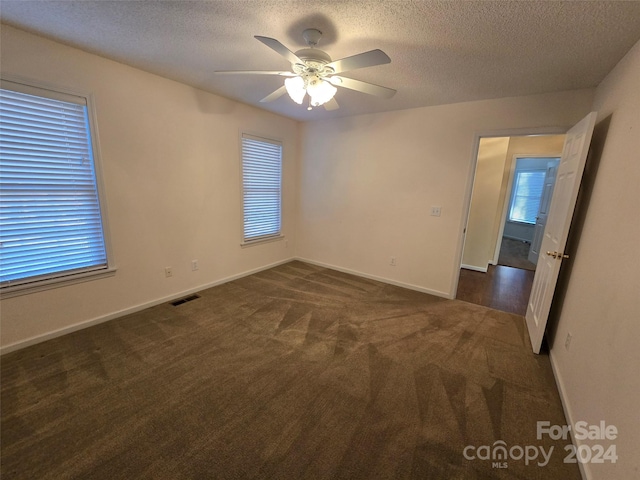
170, 156
479, 243
598, 375
367, 183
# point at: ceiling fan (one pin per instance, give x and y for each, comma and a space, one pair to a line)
314, 73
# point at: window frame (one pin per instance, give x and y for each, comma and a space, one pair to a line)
64, 278
267, 139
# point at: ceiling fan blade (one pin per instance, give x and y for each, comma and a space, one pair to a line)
366, 59
331, 104
254, 72
280, 48
363, 87
274, 95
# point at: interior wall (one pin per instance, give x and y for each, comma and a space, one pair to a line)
598, 374
479, 243
171, 161
367, 184
518, 231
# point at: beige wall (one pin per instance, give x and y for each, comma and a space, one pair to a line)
170, 155
367, 184
598, 375
480, 241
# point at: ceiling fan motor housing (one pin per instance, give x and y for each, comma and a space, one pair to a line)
313, 55
315, 62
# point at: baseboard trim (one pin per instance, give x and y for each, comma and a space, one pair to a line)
127, 311
511, 237
568, 413
474, 268
409, 286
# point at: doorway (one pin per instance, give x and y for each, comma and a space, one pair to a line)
511, 173
525, 211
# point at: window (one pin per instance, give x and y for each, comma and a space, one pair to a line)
261, 188
51, 225
525, 200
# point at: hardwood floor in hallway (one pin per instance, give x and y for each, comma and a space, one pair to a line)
503, 288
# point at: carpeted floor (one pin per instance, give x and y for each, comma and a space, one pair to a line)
515, 253
297, 372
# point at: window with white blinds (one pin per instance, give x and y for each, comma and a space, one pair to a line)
527, 192
50, 217
261, 187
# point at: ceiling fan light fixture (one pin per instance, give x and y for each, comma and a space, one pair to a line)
320, 92
295, 89
313, 72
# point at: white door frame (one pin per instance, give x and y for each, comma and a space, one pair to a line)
464, 220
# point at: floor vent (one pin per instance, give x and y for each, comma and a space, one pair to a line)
184, 300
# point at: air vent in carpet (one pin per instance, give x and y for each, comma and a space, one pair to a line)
184, 300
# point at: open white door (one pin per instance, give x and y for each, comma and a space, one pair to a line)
574, 156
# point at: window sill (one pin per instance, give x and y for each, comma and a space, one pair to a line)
260, 241
517, 222
51, 283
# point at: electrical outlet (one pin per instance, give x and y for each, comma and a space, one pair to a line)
194, 265
567, 342
168, 272
435, 211
392, 262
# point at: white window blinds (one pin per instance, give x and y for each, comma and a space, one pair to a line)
50, 218
526, 196
261, 187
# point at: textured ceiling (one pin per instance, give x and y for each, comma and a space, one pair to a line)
441, 52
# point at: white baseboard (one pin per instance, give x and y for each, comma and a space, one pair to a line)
568, 413
511, 237
127, 311
409, 286
474, 268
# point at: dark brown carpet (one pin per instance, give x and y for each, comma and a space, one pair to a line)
515, 253
297, 372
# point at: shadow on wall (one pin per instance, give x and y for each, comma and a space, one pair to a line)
577, 224
213, 104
